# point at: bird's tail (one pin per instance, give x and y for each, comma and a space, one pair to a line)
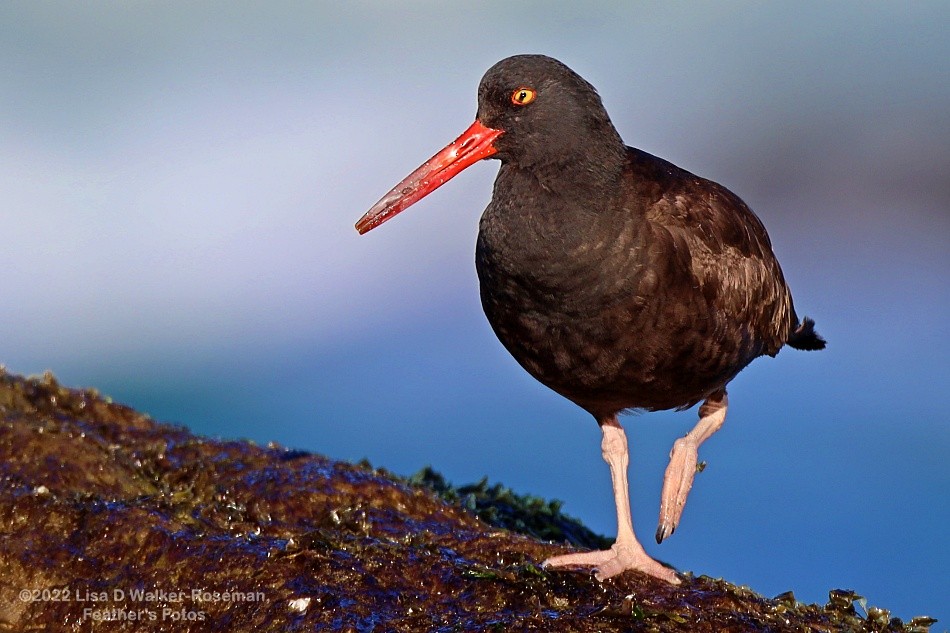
805, 337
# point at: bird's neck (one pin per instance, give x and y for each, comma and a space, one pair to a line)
572, 195
555, 239
589, 172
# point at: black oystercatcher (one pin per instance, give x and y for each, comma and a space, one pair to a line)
615, 278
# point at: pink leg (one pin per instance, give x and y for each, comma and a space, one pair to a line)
626, 553
679, 474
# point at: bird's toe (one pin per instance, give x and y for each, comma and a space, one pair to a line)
663, 531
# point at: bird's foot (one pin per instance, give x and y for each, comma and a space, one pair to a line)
676, 485
613, 561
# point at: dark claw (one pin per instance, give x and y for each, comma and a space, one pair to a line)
663, 531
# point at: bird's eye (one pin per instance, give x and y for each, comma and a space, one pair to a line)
522, 96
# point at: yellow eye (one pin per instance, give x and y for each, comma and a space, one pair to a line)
523, 96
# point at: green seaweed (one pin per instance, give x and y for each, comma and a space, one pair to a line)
501, 507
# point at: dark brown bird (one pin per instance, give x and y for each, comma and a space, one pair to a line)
615, 278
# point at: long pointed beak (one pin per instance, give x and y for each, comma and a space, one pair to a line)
474, 144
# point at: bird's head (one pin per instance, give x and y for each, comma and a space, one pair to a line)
533, 112
549, 114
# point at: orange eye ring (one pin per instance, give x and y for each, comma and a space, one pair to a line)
523, 96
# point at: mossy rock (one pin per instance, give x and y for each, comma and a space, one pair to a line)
111, 521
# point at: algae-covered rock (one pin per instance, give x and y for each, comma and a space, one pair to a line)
113, 522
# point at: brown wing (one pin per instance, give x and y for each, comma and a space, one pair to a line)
730, 256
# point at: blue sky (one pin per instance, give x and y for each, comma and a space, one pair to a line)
181, 182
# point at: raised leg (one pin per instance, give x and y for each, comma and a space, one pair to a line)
626, 552
679, 474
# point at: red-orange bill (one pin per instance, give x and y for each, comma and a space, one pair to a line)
474, 144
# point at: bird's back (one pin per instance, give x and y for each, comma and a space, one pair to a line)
730, 255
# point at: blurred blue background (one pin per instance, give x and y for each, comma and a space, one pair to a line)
180, 183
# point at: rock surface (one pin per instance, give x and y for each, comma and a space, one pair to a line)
113, 522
